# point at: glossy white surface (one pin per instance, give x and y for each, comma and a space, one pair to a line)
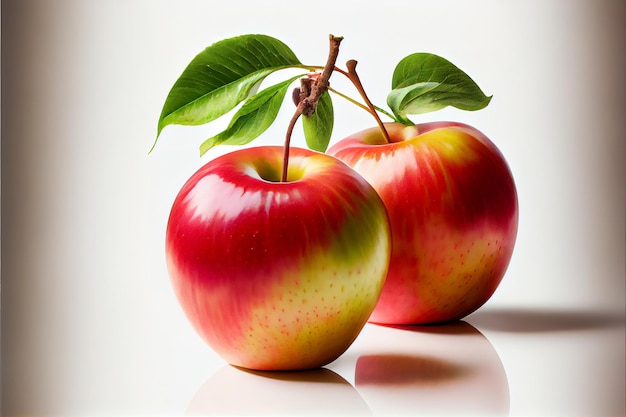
547, 363
90, 325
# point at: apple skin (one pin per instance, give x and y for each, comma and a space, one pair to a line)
453, 207
277, 275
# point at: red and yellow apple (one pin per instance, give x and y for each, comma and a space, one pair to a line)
277, 275
453, 208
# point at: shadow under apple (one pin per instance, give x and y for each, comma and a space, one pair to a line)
391, 369
238, 391
434, 370
544, 320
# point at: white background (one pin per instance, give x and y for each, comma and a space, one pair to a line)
90, 324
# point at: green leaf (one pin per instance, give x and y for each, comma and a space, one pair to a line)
253, 118
222, 76
424, 82
319, 126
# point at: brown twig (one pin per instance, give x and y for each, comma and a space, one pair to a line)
354, 77
308, 95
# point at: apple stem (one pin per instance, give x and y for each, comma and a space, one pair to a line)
308, 95
362, 106
354, 77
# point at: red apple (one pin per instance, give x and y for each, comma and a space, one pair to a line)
277, 275
453, 209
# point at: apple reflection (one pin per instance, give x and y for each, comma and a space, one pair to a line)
235, 391
432, 370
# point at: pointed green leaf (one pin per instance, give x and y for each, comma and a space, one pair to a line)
424, 82
253, 118
222, 76
319, 126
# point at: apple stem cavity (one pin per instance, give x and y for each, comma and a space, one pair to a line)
308, 95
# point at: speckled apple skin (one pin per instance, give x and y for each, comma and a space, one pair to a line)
278, 276
453, 208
